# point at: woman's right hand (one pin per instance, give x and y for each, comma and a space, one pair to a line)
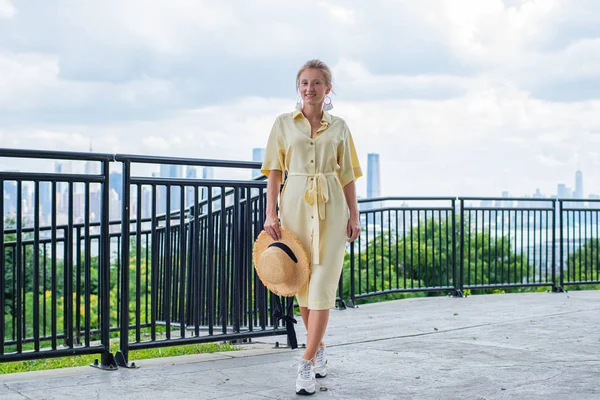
272, 227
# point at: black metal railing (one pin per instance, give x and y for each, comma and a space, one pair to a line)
171, 263
504, 247
33, 306
579, 249
200, 258
403, 247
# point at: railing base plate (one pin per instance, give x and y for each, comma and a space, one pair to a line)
341, 305
108, 363
351, 304
122, 361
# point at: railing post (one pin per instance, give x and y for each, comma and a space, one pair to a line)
108, 361
341, 303
122, 356
352, 301
2, 267
561, 259
458, 291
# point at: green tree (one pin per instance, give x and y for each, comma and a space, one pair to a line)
423, 258
584, 264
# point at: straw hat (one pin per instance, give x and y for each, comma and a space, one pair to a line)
283, 265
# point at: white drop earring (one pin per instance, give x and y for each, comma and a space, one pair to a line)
327, 105
299, 103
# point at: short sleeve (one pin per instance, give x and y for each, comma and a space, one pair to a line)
275, 152
348, 160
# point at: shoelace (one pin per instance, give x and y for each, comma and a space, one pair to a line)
305, 370
320, 356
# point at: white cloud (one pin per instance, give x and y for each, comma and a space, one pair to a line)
488, 32
30, 81
427, 147
156, 143
548, 161
23, 76
353, 77
449, 92
7, 9
339, 13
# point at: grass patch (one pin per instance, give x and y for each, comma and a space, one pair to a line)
134, 355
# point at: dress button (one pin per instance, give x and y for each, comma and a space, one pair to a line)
312, 161
312, 179
311, 143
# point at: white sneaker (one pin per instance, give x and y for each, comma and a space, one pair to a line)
321, 363
305, 380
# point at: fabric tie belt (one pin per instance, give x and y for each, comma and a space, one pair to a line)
316, 195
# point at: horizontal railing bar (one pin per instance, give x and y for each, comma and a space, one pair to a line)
33, 355
205, 339
53, 154
507, 199
51, 177
592, 282
507, 285
372, 210
475, 208
406, 290
141, 159
579, 200
195, 182
582, 209
396, 198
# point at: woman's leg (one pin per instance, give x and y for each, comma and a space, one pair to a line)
305, 312
317, 324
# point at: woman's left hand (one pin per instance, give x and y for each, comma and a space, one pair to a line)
353, 228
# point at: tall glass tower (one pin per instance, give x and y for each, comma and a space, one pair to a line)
373, 183
258, 154
578, 193
171, 171
373, 176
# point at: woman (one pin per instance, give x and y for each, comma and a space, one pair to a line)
318, 202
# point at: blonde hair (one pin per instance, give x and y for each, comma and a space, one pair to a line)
315, 64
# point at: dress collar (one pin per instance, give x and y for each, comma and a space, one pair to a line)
325, 118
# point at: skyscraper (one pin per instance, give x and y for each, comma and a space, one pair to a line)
578, 193
91, 167
190, 173
258, 154
373, 178
171, 171
373, 183
62, 168
563, 192
45, 194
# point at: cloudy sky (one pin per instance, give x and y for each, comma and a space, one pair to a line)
459, 97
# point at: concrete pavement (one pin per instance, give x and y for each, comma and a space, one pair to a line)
510, 346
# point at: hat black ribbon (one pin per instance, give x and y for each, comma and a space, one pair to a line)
289, 320
285, 248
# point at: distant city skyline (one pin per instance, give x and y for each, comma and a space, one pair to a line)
468, 99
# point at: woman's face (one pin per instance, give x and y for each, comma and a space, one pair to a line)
313, 87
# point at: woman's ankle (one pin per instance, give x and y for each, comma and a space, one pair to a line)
312, 361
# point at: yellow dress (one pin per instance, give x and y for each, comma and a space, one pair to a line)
312, 204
